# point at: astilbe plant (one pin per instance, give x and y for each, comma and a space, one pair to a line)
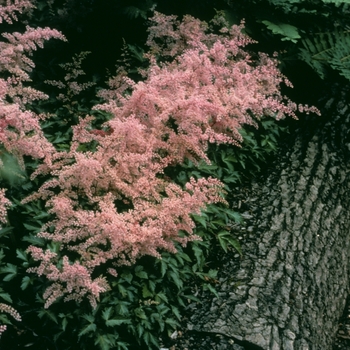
20, 132
112, 203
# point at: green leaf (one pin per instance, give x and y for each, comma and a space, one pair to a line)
103, 342
6, 297
21, 255
198, 253
173, 323
141, 274
106, 314
139, 330
200, 219
64, 323
212, 289
122, 345
48, 314
225, 239
146, 292
26, 281
140, 313
11, 271
89, 318
149, 338
234, 215
117, 322
161, 297
122, 290
176, 312
122, 309
288, 31
87, 329
32, 228
157, 317
4, 231
175, 277
35, 240
163, 267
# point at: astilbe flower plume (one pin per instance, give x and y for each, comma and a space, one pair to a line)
20, 131
113, 204
9, 8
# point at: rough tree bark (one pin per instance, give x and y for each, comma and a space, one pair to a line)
289, 290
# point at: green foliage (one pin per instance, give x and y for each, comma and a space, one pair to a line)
288, 31
314, 32
329, 48
10, 172
142, 10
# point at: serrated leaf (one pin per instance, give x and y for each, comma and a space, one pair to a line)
122, 309
127, 277
106, 313
5, 231
26, 281
122, 345
142, 274
89, 328
175, 278
117, 322
89, 318
198, 253
103, 342
149, 338
200, 219
161, 297
6, 297
146, 293
49, 314
140, 313
173, 323
212, 289
176, 312
11, 271
21, 255
37, 241
163, 267
139, 330
36, 229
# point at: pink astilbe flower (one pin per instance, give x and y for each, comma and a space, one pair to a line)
11, 311
4, 205
20, 131
8, 11
113, 204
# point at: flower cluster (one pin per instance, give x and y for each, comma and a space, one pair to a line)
20, 131
4, 204
113, 203
8, 12
11, 311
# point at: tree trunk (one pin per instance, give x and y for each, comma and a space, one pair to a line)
289, 289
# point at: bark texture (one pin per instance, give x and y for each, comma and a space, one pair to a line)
289, 289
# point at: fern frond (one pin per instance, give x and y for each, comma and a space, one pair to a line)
328, 49
336, 2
